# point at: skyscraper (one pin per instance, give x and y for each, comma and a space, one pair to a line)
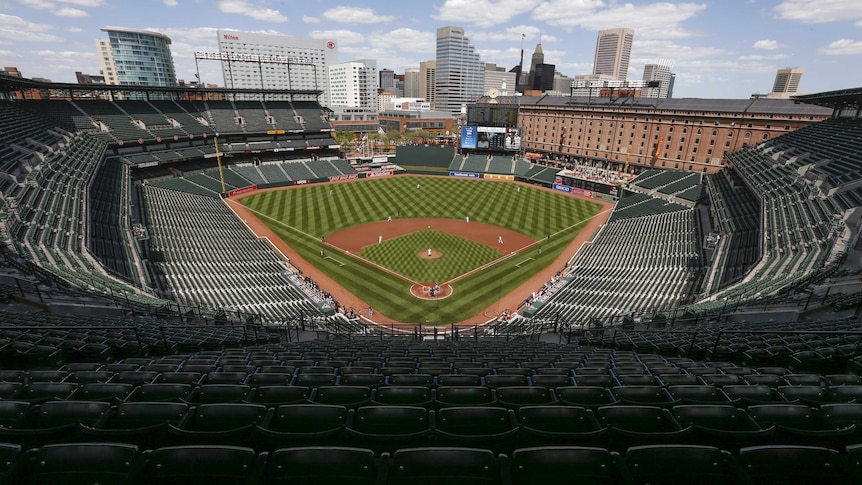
427, 78
460, 73
136, 57
786, 82
657, 71
354, 84
541, 75
387, 79
613, 51
498, 78
302, 63
411, 83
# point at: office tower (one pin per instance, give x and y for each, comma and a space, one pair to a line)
387, 79
786, 82
541, 77
266, 61
411, 83
354, 84
498, 78
613, 51
657, 71
460, 73
136, 57
427, 76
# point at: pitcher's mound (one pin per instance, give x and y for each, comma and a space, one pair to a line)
434, 254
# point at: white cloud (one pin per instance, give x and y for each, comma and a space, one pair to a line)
54, 8
484, 13
75, 30
12, 27
761, 57
355, 15
310, 20
766, 45
243, 7
513, 34
341, 36
407, 40
171, 3
85, 3
69, 12
648, 50
652, 21
843, 47
52, 54
819, 11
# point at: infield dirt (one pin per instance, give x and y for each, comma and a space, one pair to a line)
478, 232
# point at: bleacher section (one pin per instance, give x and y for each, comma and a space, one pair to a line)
207, 257
633, 265
64, 211
674, 184
89, 400
737, 220
827, 151
797, 234
640, 206
109, 234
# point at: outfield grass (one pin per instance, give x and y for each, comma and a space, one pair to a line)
300, 216
402, 255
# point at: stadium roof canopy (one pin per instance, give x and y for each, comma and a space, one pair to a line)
695, 105
837, 100
11, 84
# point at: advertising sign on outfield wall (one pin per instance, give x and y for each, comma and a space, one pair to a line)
382, 173
470, 175
336, 178
563, 188
242, 190
494, 176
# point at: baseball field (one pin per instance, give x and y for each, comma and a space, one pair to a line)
389, 241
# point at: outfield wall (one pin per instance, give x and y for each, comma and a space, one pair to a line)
425, 155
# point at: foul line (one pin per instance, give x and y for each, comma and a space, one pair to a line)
398, 275
336, 261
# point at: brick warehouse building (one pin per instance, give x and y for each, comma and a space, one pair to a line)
688, 134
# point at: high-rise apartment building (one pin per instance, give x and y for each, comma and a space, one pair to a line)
427, 78
657, 71
136, 57
460, 73
267, 61
411, 83
786, 82
354, 84
613, 51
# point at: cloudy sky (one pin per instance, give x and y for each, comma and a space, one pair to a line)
719, 48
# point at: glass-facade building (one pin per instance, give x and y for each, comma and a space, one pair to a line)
136, 57
460, 74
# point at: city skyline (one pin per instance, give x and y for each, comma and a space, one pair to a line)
720, 49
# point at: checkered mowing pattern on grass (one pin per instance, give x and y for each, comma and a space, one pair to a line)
300, 217
402, 255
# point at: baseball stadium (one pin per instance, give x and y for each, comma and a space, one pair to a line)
217, 279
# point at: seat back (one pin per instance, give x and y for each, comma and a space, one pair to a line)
322, 465
450, 465
566, 464
78, 463
203, 465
